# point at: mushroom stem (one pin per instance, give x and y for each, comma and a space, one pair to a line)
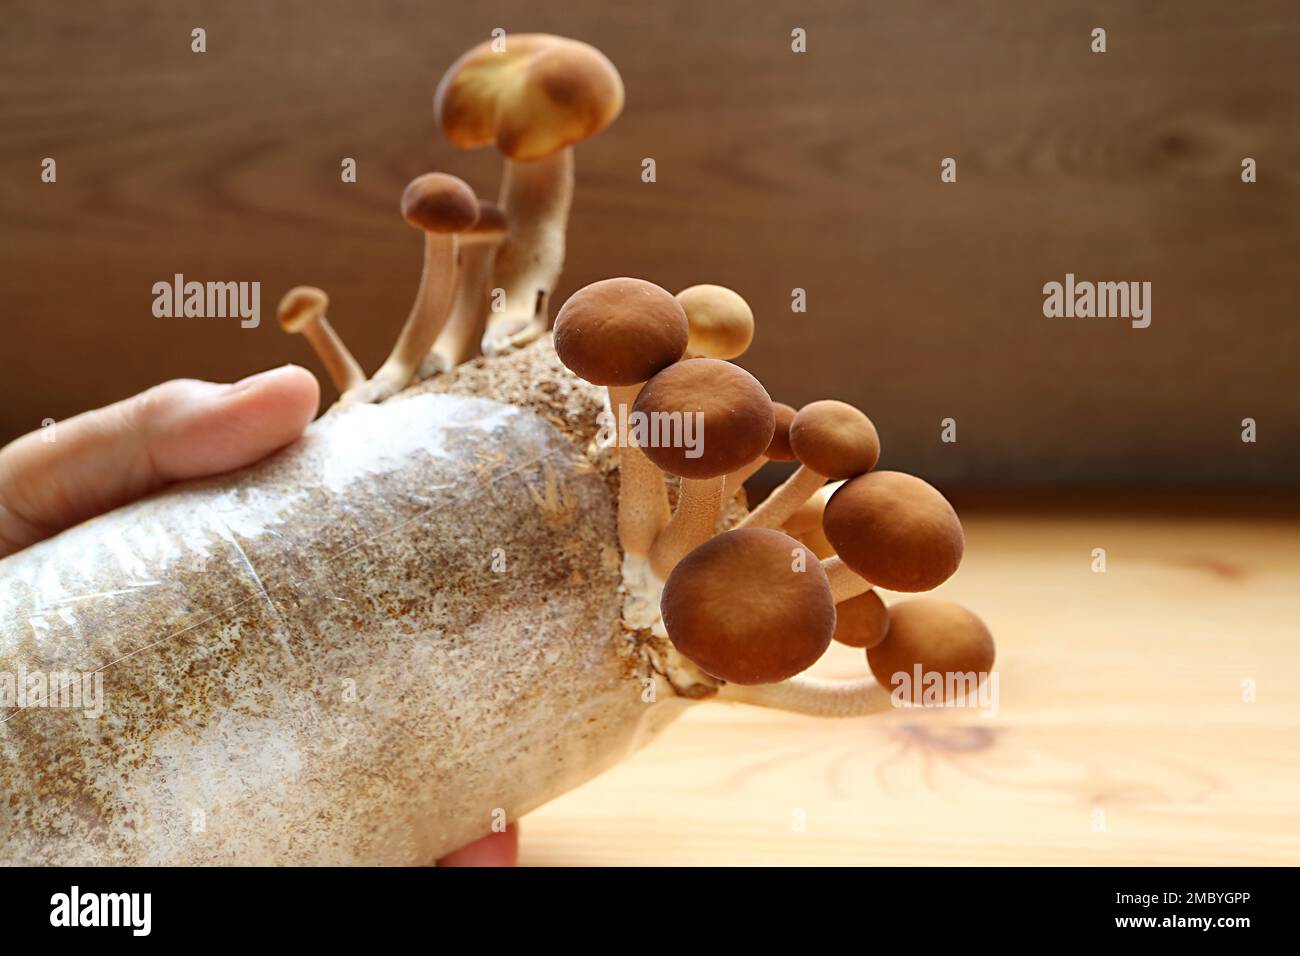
737, 478
469, 311
642, 498
814, 696
785, 500
698, 502
432, 302
845, 583
535, 197
343, 369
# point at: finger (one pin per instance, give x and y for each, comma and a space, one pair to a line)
180, 429
495, 849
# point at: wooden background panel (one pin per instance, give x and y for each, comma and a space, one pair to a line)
775, 171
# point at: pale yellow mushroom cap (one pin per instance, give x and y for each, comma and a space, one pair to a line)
533, 98
722, 324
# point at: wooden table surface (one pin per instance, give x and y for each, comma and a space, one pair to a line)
1122, 735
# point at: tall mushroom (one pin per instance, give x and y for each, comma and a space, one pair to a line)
459, 338
831, 440
892, 530
749, 607
938, 638
535, 98
302, 311
441, 206
620, 333
704, 418
778, 449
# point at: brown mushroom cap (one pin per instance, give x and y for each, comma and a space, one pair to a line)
778, 449
301, 305
722, 324
834, 439
737, 423
438, 202
942, 637
620, 331
862, 621
539, 95
895, 530
737, 607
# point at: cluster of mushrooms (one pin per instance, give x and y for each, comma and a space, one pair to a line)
489, 269
760, 603
753, 606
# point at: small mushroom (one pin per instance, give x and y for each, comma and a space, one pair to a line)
891, 530
715, 416
619, 333
831, 440
939, 637
861, 621
302, 311
778, 449
441, 206
535, 99
746, 610
459, 338
722, 324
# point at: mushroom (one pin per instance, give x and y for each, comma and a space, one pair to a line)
861, 621
302, 311
722, 324
778, 449
535, 99
814, 696
806, 522
704, 418
938, 637
442, 206
459, 338
892, 530
619, 333
740, 608
831, 440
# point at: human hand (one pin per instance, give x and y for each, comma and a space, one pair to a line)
180, 429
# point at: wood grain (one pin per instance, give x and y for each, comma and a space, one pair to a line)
1119, 692
775, 170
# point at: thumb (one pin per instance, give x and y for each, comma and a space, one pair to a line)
113, 455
